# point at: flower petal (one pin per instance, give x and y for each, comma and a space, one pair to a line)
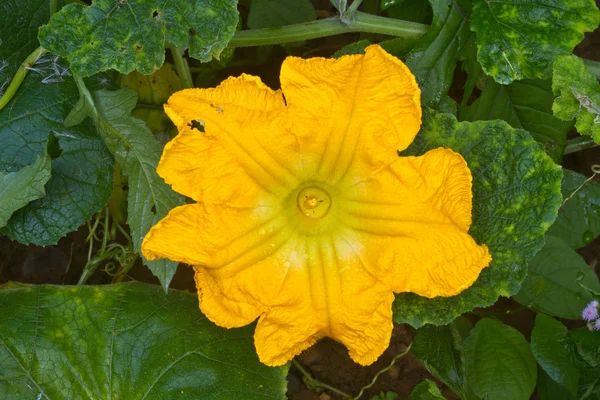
225, 163
353, 112
413, 233
328, 293
216, 235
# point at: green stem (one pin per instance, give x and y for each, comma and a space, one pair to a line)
100, 256
11, 90
593, 66
579, 143
317, 384
182, 67
361, 22
396, 358
353, 7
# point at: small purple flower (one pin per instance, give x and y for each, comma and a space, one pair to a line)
597, 325
590, 313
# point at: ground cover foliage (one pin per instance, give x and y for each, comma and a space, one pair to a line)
82, 84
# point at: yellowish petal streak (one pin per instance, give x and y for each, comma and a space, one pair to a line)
257, 162
329, 163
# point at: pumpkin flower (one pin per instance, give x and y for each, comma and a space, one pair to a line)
304, 215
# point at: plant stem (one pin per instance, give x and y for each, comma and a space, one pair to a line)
361, 22
396, 358
353, 7
11, 90
313, 383
593, 66
596, 171
317, 384
182, 67
578, 144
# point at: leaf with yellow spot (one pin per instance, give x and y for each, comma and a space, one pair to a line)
516, 196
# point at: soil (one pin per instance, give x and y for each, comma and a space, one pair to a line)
327, 361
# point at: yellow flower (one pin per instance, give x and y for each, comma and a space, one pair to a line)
305, 216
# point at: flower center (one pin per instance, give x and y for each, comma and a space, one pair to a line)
314, 202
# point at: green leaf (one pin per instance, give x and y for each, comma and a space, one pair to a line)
426, 390
17, 44
153, 91
526, 105
137, 152
19, 188
470, 65
521, 38
549, 389
550, 347
277, 13
552, 285
81, 181
588, 345
499, 362
578, 221
578, 94
434, 58
352, 48
516, 196
408, 10
125, 341
132, 34
440, 349
398, 47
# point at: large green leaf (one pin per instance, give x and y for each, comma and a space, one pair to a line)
578, 221
520, 39
16, 44
499, 364
434, 57
516, 196
550, 347
20, 187
137, 152
276, 13
426, 390
578, 94
549, 389
553, 282
132, 34
126, 341
440, 349
81, 181
526, 105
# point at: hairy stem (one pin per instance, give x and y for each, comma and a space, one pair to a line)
360, 22
11, 90
182, 67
